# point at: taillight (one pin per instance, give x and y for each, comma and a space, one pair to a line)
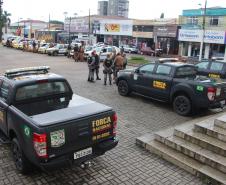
114, 124
40, 144
211, 93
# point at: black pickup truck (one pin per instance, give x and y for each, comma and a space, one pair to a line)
176, 83
49, 126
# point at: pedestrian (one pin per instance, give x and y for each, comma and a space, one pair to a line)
125, 61
97, 65
122, 50
76, 53
91, 65
81, 54
68, 50
34, 46
118, 65
108, 63
24, 45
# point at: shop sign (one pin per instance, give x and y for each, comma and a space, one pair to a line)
216, 37
190, 35
116, 27
165, 31
112, 27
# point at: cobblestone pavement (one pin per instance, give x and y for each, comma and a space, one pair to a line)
127, 163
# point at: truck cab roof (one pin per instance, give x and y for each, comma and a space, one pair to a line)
30, 74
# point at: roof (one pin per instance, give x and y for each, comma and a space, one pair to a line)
30, 74
178, 64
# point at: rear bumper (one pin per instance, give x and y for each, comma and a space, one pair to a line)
67, 160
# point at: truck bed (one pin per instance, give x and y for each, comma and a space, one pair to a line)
77, 108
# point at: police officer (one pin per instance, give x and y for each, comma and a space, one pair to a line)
92, 66
108, 64
97, 65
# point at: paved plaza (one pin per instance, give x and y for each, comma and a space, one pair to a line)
127, 163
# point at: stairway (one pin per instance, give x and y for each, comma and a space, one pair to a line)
198, 147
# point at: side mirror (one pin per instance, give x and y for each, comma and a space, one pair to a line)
137, 70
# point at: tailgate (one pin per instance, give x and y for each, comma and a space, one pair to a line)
75, 135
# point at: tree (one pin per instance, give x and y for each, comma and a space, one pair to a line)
4, 21
162, 16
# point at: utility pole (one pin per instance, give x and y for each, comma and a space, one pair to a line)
89, 29
203, 31
49, 23
1, 20
69, 39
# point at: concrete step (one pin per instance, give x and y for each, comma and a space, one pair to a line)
220, 122
186, 163
209, 128
196, 152
202, 140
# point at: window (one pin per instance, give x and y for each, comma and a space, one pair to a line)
40, 90
202, 65
147, 68
193, 20
216, 66
163, 70
185, 71
214, 21
4, 91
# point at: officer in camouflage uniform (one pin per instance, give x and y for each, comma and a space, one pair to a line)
108, 64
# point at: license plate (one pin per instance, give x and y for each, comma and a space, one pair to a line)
82, 153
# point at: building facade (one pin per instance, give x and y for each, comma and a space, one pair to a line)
118, 8
208, 28
102, 8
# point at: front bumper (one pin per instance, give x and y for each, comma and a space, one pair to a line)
67, 160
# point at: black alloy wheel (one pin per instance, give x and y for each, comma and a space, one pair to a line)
22, 164
123, 88
182, 105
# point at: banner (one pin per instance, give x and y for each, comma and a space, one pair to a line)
116, 27
112, 27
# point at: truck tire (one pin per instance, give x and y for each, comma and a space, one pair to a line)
123, 88
182, 105
22, 164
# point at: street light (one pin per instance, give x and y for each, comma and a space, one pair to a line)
203, 31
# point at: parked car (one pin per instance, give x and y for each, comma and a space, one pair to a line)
49, 126
108, 50
175, 83
130, 49
43, 47
59, 49
147, 51
213, 69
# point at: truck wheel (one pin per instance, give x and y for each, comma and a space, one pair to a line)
182, 105
123, 88
22, 164
54, 53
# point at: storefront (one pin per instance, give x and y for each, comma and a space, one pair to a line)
190, 42
165, 37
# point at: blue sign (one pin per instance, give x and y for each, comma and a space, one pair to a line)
209, 12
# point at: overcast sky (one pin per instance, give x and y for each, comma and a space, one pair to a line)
140, 9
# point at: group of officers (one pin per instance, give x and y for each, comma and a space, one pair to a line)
112, 65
